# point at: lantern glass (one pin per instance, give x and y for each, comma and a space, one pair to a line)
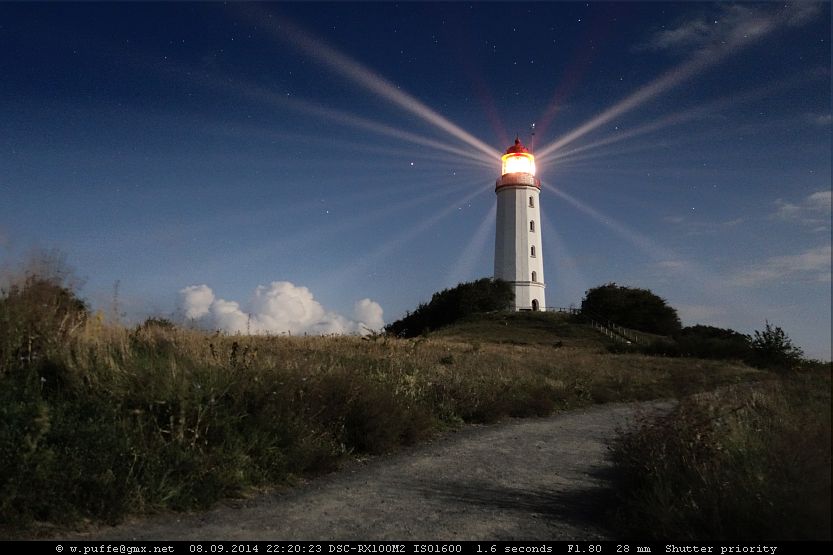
519, 162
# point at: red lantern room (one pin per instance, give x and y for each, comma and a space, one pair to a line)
517, 160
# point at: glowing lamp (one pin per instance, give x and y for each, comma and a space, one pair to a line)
517, 160
518, 163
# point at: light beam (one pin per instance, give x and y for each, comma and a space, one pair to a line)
680, 117
316, 49
474, 249
744, 33
395, 242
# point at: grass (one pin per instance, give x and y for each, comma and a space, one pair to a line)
746, 462
114, 421
525, 328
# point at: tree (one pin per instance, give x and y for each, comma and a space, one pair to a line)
630, 307
450, 305
773, 349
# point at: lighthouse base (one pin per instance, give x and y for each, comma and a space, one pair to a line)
529, 295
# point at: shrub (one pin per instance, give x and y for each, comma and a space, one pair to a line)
711, 342
633, 308
451, 305
702, 342
773, 349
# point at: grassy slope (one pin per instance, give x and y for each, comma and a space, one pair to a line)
525, 328
578, 357
118, 421
746, 462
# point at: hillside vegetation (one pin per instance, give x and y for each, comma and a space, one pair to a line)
748, 462
631, 307
100, 420
451, 305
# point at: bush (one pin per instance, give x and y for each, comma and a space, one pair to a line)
638, 309
711, 342
450, 305
770, 349
774, 350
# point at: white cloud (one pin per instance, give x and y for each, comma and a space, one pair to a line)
813, 210
368, 314
691, 32
227, 316
811, 265
731, 26
799, 13
280, 307
822, 120
196, 300
695, 227
673, 265
820, 201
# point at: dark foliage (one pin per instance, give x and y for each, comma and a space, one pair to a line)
638, 309
711, 342
704, 342
774, 350
770, 349
450, 305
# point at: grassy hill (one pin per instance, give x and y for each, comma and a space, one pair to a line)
113, 420
750, 459
547, 329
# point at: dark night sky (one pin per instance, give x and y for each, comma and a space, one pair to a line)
351, 149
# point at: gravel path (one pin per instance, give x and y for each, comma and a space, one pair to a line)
529, 479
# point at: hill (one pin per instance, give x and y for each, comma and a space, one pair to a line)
549, 329
99, 421
206, 415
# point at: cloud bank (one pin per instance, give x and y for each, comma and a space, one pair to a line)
730, 26
813, 211
812, 265
278, 308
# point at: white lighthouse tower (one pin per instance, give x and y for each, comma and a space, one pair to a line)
518, 256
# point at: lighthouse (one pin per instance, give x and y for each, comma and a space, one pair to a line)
518, 255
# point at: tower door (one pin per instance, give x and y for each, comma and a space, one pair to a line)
535, 304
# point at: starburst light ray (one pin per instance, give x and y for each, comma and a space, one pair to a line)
359, 74
323, 233
263, 95
746, 32
568, 283
397, 241
474, 249
697, 112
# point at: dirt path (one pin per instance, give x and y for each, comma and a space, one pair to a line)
531, 479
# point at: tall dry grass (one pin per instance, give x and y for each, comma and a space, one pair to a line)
747, 462
116, 420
